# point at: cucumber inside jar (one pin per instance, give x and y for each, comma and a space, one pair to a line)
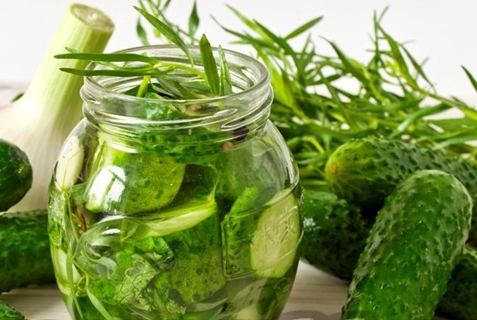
261, 233
129, 271
277, 236
167, 255
123, 181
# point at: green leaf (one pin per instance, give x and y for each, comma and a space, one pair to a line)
186, 94
458, 139
454, 124
249, 23
398, 57
419, 114
193, 21
471, 78
468, 112
141, 33
110, 57
113, 73
98, 305
225, 79
210, 65
303, 28
276, 39
142, 91
417, 66
167, 31
247, 39
349, 64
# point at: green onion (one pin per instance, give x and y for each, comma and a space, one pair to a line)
40, 120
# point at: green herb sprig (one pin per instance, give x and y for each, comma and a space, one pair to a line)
163, 79
392, 96
159, 9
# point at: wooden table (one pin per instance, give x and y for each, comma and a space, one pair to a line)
315, 295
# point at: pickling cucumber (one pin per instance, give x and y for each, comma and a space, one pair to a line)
25, 257
364, 171
460, 299
7, 312
335, 234
149, 180
16, 174
412, 249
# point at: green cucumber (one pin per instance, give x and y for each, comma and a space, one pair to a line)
412, 249
16, 174
25, 257
238, 227
335, 234
460, 299
149, 180
7, 312
364, 171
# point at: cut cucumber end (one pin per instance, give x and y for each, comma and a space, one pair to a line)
249, 313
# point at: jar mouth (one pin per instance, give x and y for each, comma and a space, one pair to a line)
257, 73
248, 104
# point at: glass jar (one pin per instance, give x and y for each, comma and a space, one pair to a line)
176, 209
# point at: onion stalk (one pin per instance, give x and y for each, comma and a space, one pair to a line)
40, 120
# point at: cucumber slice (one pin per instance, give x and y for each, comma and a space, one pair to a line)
66, 272
277, 236
249, 313
181, 218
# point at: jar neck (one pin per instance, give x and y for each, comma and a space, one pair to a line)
225, 118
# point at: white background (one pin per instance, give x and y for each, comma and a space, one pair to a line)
444, 32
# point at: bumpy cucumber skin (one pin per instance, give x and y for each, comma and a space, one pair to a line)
412, 249
16, 174
7, 312
322, 249
364, 171
334, 233
460, 300
25, 257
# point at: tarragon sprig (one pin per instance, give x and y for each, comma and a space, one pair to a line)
323, 100
160, 79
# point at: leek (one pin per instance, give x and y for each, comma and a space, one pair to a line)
41, 119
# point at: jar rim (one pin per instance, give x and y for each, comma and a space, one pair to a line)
261, 73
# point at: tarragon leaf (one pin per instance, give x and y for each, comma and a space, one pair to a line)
167, 31
210, 65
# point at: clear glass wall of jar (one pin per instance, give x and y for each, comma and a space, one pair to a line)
176, 209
